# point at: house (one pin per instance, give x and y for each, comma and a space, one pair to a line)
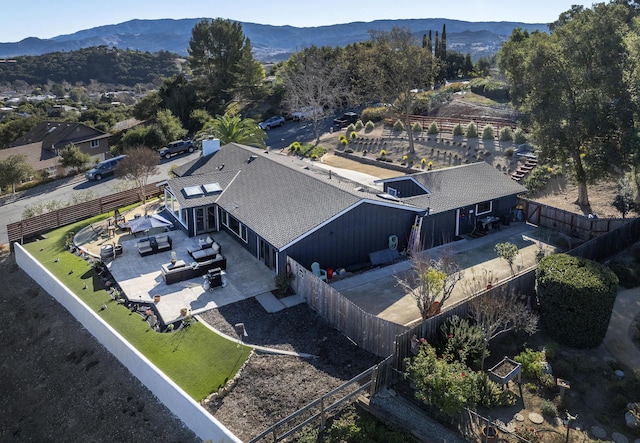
277, 206
43, 143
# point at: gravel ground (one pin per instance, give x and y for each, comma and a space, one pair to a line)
273, 386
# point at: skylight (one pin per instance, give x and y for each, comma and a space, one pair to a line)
193, 191
212, 188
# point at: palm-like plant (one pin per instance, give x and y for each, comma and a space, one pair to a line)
233, 129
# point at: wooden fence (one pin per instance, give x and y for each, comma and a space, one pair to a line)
369, 381
19, 231
522, 284
568, 223
368, 331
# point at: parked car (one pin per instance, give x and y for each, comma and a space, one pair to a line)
104, 168
176, 147
346, 119
306, 114
271, 123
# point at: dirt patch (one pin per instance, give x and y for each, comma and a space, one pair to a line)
273, 386
58, 382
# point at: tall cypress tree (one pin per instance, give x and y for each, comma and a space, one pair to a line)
443, 43
437, 47
430, 43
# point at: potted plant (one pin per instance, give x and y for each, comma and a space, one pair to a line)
489, 434
183, 312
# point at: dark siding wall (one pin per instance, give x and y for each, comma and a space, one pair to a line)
349, 239
405, 188
438, 229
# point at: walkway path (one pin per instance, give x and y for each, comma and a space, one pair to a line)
619, 338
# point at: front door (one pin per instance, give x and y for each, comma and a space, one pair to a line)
267, 254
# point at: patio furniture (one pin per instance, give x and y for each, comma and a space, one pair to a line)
187, 272
203, 244
206, 253
153, 245
320, 273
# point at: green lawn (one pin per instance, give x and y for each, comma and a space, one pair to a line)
195, 358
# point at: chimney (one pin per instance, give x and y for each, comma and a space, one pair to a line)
210, 146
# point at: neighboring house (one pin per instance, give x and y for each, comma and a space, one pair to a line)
43, 143
276, 206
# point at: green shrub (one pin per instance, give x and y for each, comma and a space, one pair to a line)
506, 135
416, 127
548, 409
461, 341
531, 363
457, 130
472, 130
370, 126
628, 274
490, 394
487, 133
433, 128
576, 299
351, 128
550, 350
344, 142
295, 146
359, 125
509, 152
519, 137
398, 126
547, 381
374, 114
563, 369
540, 177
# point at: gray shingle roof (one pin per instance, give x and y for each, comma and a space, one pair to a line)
277, 196
460, 186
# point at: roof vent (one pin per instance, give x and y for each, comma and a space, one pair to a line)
221, 167
386, 196
251, 158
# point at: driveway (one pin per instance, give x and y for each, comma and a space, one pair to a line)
377, 292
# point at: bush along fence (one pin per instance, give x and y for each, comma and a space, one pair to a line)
31, 227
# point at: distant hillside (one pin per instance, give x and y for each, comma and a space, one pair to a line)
271, 43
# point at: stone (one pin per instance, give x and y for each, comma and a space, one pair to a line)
536, 418
619, 374
619, 438
598, 432
518, 417
631, 420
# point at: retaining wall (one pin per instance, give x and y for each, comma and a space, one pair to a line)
194, 416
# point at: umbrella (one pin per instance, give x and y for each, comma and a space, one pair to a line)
148, 222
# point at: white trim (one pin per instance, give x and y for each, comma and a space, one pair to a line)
485, 212
458, 221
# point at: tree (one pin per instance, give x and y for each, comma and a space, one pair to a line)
431, 282
13, 170
507, 251
72, 157
315, 81
404, 66
499, 312
232, 129
625, 200
573, 87
140, 164
179, 96
219, 52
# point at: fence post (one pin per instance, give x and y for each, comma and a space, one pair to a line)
322, 414
374, 381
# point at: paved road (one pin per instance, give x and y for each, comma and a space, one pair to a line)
12, 206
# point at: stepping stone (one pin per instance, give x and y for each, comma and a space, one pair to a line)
619, 438
536, 418
518, 417
598, 432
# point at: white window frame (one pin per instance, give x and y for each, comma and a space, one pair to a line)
392, 191
242, 234
485, 212
95, 144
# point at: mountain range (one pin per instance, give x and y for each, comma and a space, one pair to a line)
270, 43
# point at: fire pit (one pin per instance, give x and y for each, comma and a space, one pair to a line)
505, 371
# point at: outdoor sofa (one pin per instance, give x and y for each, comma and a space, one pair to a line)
207, 249
193, 270
153, 245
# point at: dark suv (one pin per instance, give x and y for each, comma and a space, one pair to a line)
104, 168
177, 147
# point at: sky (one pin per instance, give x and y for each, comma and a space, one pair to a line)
47, 18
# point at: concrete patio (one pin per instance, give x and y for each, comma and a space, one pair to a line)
140, 277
